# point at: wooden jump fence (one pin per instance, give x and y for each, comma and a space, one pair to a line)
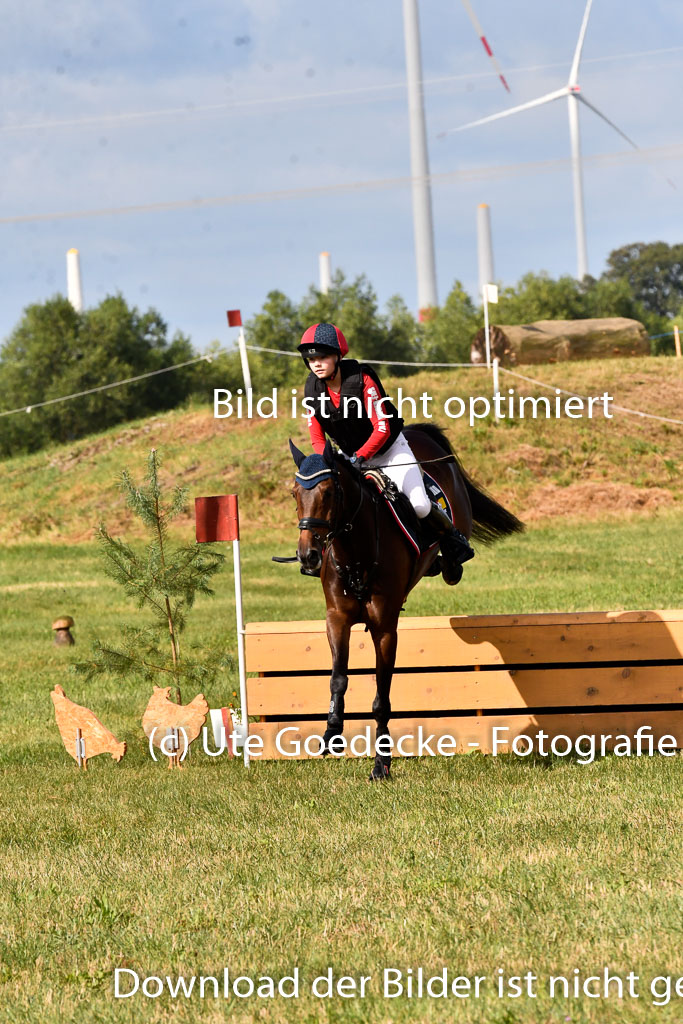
586, 673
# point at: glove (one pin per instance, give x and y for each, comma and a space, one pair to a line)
357, 460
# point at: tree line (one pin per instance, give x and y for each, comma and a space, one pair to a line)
56, 351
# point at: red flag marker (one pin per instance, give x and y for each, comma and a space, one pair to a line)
217, 518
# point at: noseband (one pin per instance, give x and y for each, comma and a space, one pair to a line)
310, 522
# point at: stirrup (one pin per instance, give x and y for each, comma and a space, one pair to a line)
456, 548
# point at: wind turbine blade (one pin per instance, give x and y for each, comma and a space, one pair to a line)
484, 41
595, 110
574, 73
580, 96
548, 98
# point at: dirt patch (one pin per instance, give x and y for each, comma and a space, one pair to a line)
592, 500
532, 457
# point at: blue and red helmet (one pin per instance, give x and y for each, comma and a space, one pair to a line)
323, 339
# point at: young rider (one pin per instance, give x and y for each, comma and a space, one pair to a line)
368, 429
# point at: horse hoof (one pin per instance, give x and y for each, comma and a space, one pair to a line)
380, 771
328, 735
451, 574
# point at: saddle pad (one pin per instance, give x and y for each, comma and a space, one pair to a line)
417, 535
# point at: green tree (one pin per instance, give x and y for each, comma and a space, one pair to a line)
540, 297
55, 351
352, 305
279, 326
403, 337
164, 581
606, 297
447, 334
654, 272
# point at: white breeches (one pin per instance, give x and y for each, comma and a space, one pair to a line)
400, 465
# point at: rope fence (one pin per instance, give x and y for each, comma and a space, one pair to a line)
379, 362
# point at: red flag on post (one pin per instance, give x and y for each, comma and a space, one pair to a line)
217, 518
234, 318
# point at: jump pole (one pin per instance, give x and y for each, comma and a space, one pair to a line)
217, 519
677, 341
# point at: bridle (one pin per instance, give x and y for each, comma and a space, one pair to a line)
350, 575
310, 522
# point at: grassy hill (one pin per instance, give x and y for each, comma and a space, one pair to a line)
544, 469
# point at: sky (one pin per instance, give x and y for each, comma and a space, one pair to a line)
201, 154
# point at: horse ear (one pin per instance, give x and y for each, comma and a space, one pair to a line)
297, 454
328, 453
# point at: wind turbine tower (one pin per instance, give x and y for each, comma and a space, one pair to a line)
419, 164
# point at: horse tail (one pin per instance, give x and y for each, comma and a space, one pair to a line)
490, 520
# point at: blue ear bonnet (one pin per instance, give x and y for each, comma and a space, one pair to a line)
312, 470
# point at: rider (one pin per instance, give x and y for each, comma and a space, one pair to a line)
373, 439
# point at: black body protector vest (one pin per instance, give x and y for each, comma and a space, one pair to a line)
349, 425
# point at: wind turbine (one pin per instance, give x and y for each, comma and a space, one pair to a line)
572, 91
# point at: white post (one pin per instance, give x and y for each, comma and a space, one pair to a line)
246, 375
240, 649
486, 326
419, 164
496, 383
484, 245
74, 290
325, 269
677, 341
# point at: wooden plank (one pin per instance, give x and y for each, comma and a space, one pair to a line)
456, 641
431, 621
476, 732
500, 688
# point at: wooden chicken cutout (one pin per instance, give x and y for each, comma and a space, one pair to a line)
78, 723
162, 715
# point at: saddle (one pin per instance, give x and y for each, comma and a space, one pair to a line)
420, 537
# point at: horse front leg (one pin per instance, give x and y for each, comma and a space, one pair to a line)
385, 648
338, 633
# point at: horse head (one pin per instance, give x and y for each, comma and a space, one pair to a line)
316, 485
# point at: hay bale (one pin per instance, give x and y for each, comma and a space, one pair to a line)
556, 341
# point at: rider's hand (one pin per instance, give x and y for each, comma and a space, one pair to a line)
357, 460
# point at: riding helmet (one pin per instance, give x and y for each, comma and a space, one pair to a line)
323, 339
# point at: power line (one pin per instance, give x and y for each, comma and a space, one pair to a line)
190, 109
376, 362
478, 174
283, 352
574, 394
105, 387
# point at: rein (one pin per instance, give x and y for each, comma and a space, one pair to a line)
350, 576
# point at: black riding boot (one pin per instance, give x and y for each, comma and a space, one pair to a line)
455, 547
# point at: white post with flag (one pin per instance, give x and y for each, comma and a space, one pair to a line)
235, 320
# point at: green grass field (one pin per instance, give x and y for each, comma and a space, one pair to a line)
472, 863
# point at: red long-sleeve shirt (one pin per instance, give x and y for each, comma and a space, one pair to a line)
380, 427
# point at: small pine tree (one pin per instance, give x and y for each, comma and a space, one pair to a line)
165, 581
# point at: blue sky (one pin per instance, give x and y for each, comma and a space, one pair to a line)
114, 105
